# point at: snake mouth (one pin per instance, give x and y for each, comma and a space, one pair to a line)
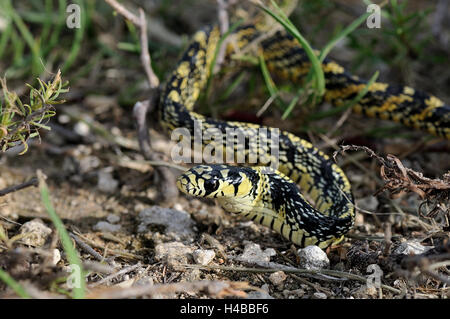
184, 186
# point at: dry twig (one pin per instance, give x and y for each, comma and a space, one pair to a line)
141, 23
142, 109
86, 247
399, 180
115, 275
166, 177
11, 189
217, 289
328, 272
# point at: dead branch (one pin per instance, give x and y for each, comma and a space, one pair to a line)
115, 275
400, 180
145, 55
167, 179
327, 272
11, 189
214, 288
142, 109
84, 246
141, 23
123, 11
427, 267
224, 25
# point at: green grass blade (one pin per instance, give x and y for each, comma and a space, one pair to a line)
14, 285
4, 38
230, 89
37, 67
316, 65
267, 78
349, 29
54, 37
72, 256
349, 104
292, 104
216, 52
78, 38
47, 23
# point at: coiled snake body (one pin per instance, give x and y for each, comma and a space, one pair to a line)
271, 197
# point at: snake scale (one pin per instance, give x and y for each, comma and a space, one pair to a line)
323, 211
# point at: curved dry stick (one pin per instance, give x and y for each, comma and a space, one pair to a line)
167, 179
141, 109
11, 189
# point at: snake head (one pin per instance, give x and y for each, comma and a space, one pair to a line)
218, 181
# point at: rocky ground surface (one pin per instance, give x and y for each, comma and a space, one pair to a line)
133, 244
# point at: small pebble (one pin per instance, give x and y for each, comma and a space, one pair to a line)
277, 278
88, 163
106, 182
111, 218
364, 291
254, 254
106, 227
178, 206
258, 295
178, 223
81, 128
174, 253
372, 291
37, 232
146, 280
297, 293
412, 248
64, 119
319, 295
56, 256
265, 287
203, 257
312, 257
369, 203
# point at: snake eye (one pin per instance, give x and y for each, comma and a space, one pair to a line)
211, 185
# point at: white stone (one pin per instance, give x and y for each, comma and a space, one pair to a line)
312, 257
173, 253
88, 163
106, 183
203, 257
106, 227
178, 223
36, 232
369, 203
254, 254
111, 218
319, 295
259, 295
277, 278
412, 248
81, 128
56, 256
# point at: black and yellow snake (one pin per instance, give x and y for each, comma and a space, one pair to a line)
271, 197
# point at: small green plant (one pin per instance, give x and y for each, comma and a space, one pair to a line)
35, 35
20, 121
403, 38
